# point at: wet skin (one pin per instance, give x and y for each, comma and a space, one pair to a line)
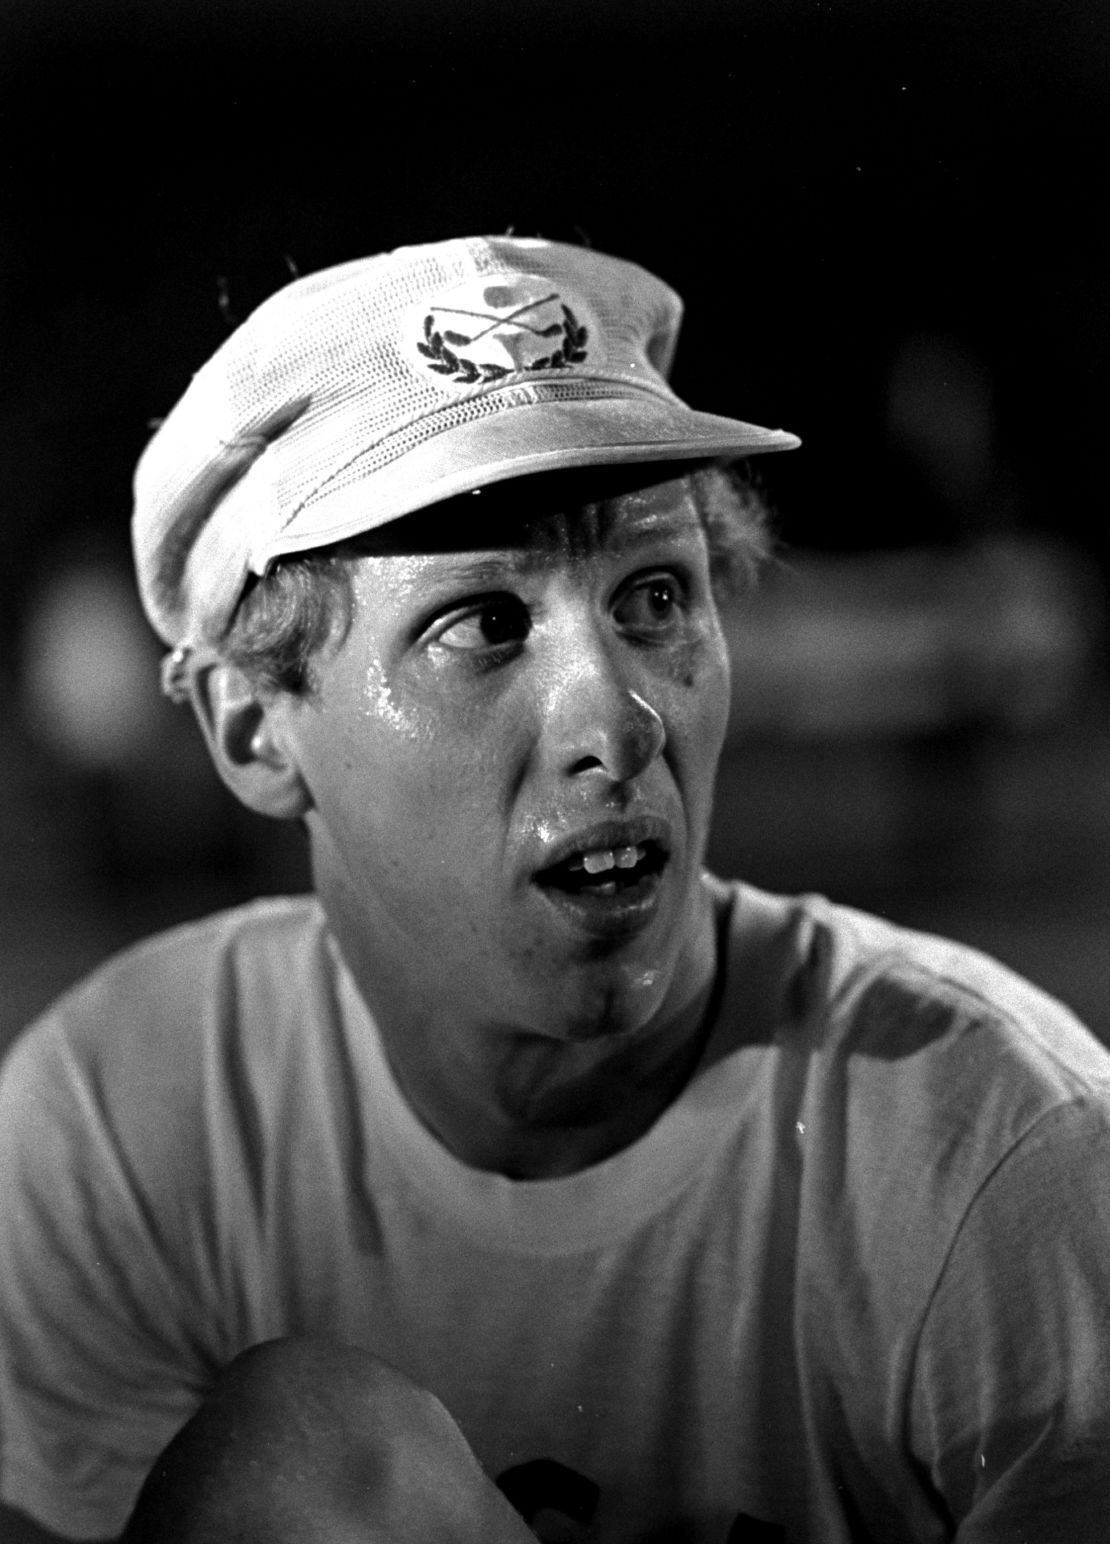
525, 674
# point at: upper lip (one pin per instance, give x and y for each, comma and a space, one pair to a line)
606, 834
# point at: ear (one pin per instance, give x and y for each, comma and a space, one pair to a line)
243, 729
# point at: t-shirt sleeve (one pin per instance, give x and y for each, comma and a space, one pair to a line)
1011, 1407
98, 1365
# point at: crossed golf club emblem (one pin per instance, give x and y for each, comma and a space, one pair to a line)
440, 344
459, 340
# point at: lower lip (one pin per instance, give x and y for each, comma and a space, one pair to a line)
620, 915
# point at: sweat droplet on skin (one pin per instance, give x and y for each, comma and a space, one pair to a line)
401, 579
381, 703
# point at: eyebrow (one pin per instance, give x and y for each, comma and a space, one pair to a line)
489, 570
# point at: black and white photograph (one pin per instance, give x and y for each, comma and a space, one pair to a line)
555, 780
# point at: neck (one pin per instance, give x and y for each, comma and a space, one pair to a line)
532, 1106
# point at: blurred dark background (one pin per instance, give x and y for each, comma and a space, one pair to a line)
889, 218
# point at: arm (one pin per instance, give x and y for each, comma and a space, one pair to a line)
1011, 1408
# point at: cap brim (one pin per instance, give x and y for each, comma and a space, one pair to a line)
514, 442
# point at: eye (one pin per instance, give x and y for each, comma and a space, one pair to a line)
652, 604
494, 623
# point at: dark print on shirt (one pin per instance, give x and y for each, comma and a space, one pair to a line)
749, 1530
558, 1504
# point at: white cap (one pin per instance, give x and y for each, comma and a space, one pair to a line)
359, 394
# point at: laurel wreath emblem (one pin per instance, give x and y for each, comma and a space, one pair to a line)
440, 349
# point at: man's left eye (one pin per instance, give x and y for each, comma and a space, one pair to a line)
651, 604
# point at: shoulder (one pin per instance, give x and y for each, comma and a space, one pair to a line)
141, 1024
140, 1116
945, 1126
851, 987
958, 1070
258, 932
975, 1036
909, 1069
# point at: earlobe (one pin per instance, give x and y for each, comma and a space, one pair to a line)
243, 731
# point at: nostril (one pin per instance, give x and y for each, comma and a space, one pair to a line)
619, 744
596, 724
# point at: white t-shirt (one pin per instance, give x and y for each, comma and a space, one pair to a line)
853, 1284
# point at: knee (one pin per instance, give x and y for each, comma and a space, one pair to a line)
311, 1385
293, 1429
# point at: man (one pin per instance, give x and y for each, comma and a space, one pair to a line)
526, 1181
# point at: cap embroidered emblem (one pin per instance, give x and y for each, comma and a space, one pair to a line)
494, 327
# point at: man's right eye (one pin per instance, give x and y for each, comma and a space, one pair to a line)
492, 623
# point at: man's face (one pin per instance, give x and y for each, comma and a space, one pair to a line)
511, 756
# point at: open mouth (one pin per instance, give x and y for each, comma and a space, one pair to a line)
605, 872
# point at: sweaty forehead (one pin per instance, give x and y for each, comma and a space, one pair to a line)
567, 515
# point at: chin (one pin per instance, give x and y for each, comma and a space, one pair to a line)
618, 1006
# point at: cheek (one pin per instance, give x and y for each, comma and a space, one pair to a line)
423, 789
719, 692
705, 695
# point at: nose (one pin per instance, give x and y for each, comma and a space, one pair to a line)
595, 721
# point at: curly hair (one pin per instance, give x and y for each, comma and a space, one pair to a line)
306, 601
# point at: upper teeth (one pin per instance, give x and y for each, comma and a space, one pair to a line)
606, 858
